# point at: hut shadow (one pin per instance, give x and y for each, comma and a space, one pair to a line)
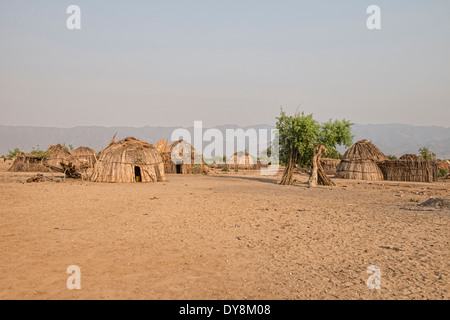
264, 180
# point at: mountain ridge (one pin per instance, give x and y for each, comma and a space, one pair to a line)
394, 138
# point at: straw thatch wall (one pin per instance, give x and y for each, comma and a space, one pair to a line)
329, 165
180, 157
85, 155
129, 160
242, 161
58, 154
409, 169
28, 163
161, 146
360, 162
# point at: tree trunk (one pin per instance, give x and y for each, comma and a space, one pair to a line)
318, 176
289, 171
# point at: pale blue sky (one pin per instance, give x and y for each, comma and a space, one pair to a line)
168, 63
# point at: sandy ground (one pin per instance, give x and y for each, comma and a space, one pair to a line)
222, 236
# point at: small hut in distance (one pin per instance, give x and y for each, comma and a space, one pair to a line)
85, 155
181, 157
27, 162
360, 162
129, 160
56, 155
242, 160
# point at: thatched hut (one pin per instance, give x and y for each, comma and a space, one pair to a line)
58, 154
180, 157
129, 160
330, 165
443, 164
242, 161
360, 162
409, 169
409, 156
85, 155
27, 162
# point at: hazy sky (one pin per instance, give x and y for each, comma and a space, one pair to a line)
168, 63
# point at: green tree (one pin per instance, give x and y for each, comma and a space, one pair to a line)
300, 134
40, 153
426, 154
12, 154
391, 157
68, 148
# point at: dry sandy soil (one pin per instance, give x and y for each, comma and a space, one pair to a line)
221, 236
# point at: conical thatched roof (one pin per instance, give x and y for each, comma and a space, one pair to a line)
360, 162
364, 150
58, 154
86, 155
129, 160
181, 157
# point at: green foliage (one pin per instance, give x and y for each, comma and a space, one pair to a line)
334, 133
68, 148
12, 154
426, 154
391, 157
302, 133
225, 169
442, 173
40, 153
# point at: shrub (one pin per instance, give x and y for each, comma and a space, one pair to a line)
13, 153
391, 157
68, 148
442, 173
40, 153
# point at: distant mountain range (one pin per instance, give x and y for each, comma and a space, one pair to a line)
395, 139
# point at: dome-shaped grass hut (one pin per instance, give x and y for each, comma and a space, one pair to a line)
85, 155
27, 162
360, 162
58, 154
129, 160
243, 161
181, 157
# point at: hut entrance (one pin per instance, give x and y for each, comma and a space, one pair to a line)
137, 174
178, 168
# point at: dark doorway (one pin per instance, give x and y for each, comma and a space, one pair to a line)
178, 168
137, 174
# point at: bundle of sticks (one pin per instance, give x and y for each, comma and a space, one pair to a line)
69, 169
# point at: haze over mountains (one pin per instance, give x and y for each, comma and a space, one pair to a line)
396, 139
